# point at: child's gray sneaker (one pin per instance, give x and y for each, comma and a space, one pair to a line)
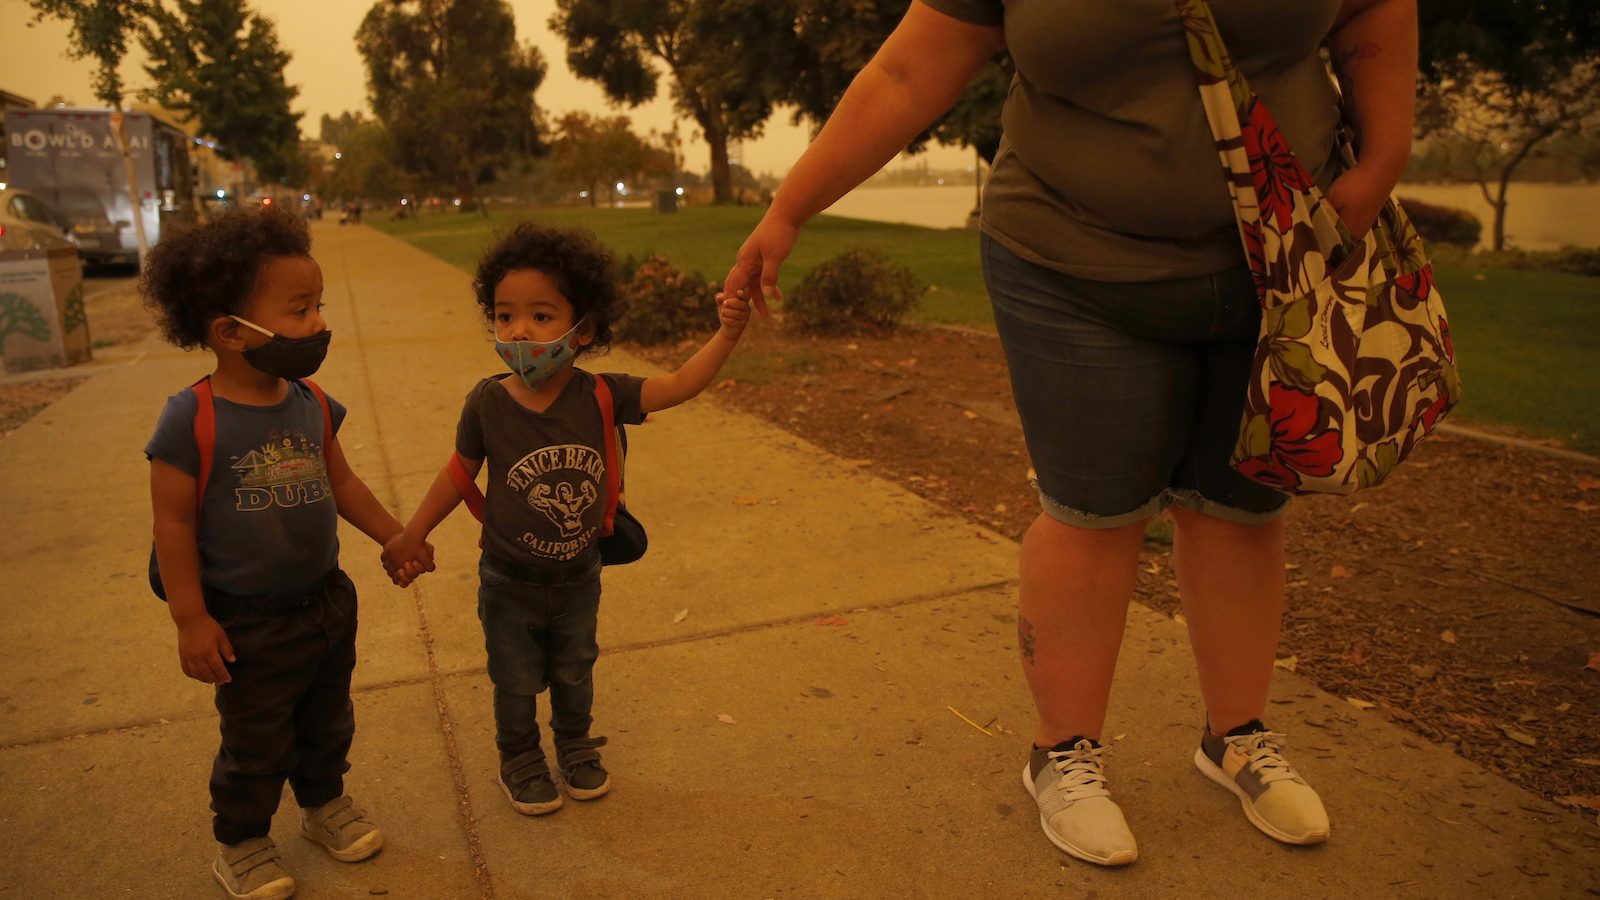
1249, 762
526, 780
1068, 781
342, 829
580, 768
249, 870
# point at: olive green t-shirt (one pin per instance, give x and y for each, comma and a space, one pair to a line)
1107, 169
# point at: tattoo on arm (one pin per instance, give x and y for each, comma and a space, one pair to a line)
1350, 57
1025, 638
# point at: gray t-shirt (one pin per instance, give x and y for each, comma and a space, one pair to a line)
268, 524
547, 471
1107, 169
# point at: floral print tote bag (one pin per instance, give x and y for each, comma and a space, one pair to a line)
1354, 364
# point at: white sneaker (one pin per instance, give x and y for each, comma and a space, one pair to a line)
1075, 809
1249, 762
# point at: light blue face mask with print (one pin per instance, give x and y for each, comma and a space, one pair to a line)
535, 361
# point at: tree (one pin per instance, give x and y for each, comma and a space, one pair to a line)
1500, 78
727, 61
591, 151
100, 30
452, 86
366, 168
219, 61
335, 130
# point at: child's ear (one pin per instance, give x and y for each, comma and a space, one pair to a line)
224, 334
586, 333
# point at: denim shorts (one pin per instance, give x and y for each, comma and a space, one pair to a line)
1130, 393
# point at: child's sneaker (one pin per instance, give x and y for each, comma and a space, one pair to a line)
1249, 762
580, 768
526, 780
249, 870
342, 829
1068, 781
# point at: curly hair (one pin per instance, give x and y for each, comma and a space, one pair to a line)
579, 265
203, 272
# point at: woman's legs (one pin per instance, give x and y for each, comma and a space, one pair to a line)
1076, 584
1231, 579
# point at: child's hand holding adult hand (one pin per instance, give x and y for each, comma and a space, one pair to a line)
734, 313
202, 648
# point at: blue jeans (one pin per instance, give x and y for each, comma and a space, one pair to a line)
1130, 393
540, 632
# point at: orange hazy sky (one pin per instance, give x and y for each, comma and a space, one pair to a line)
328, 70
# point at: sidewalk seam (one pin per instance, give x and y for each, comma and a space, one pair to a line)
458, 774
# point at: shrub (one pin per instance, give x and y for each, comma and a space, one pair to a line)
663, 303
857, 289
1443, 224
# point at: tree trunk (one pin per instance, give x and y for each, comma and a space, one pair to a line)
721, 172
120, 135
594, 200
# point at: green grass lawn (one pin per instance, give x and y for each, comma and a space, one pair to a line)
1527, 341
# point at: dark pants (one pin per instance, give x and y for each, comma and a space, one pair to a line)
287, 712
539, 630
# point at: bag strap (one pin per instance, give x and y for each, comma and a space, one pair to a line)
205, 438
327, 414
465, 486
1255, 155
602, 397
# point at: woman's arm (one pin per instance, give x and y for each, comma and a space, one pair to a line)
1374, 47
916, 75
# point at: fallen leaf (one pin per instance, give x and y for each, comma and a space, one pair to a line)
682, 614
969, 414
1588, 483
725, 718
1585, 761
1339, 572
1584, 506
1424, 671
1592, 801
1526, 740
1469, 720
833, 620
1594, 661
1448, 636
1564, 707
1359, 703
746, 500
1288, 663
998, 507
726, 382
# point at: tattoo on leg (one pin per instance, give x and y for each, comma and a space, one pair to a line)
1025, 638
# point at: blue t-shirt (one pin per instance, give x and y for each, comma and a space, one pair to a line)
547, 471
268, 524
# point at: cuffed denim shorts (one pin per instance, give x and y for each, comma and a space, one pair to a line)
1130, 393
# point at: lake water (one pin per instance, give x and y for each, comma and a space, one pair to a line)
1538, 216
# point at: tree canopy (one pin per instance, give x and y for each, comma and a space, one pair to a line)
219, 61
727, 61
452, 86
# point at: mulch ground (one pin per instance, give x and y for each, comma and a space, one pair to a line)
1459, 599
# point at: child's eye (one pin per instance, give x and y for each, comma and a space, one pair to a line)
542, 317
502, 317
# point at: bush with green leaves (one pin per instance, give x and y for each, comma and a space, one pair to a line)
1443, 224
860, 289
663, 303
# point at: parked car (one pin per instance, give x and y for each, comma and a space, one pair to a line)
28, 223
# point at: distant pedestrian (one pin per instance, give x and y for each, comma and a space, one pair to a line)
551, 296
246, 509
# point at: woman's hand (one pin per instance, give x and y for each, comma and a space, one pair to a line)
755, 269
1358, 196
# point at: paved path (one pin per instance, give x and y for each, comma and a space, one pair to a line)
790, 736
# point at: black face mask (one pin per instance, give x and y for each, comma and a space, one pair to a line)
291, 358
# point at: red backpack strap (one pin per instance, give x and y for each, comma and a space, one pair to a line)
205, 438
327, 414
602, 397
465, 486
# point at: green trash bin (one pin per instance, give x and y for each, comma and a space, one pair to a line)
667, 201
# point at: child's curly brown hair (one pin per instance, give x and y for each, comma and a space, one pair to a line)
204, 272
573, 258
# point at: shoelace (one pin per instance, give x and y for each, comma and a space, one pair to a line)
1264, 750
1082, 771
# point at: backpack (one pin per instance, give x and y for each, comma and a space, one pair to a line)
622, 537
205, 440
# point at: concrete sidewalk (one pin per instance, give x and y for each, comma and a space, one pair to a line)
792, 735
